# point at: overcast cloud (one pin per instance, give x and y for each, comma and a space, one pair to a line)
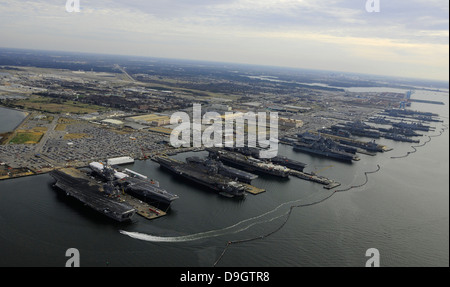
406, 38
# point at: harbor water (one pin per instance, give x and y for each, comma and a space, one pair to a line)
10, 119
403, 211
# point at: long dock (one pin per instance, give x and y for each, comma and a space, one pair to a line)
253, 189
142, 208
328, 183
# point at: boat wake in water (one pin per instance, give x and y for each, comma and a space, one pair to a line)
236, 228
244, 224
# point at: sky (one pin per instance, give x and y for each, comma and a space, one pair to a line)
406, 38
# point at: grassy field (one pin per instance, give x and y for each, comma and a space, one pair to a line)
26, 138
60, 127
49, 105
75, 136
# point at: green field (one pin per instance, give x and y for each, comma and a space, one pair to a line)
49, 105
26, 138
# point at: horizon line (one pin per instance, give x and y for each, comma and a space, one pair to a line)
229, 63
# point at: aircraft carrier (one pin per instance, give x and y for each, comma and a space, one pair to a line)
146, 190
309, 138
358, 129
345, 139
212, 166
248, 163
336, 132
101, 198
324, 147
214, 181
278, 160
289, 163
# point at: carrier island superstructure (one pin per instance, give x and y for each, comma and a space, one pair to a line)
134, 183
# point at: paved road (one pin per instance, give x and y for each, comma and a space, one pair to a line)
47, 135
125, 72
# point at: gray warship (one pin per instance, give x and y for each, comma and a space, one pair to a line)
212, 180
134, 183
322, 146
103, 198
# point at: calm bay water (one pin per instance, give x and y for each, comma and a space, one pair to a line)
10, 119
403, 211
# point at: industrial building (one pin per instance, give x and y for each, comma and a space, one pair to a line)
155, 120
120, 160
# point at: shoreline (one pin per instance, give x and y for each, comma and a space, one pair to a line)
84, 165
25, 114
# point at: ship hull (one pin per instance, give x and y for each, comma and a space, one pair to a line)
329, 154
200, 179
90, 194
251, 168
148, 195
